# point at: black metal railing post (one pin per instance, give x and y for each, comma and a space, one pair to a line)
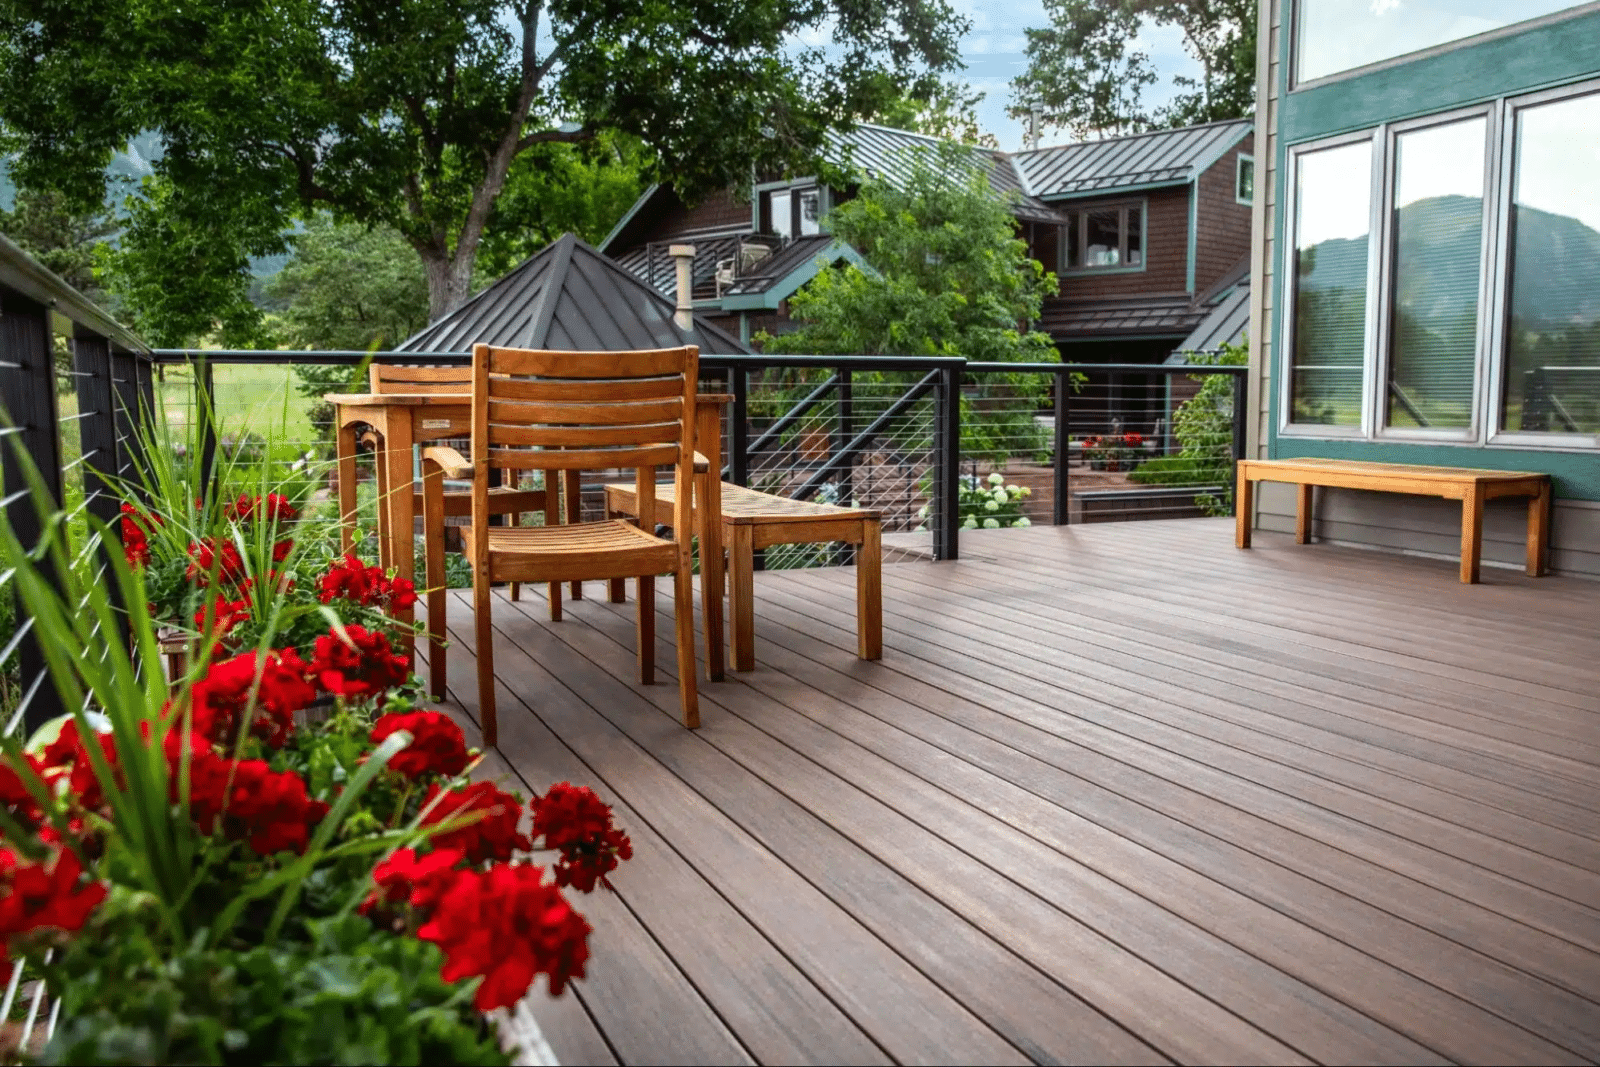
739, 428
28, 393
205, 397
843, 431
947, 466
1240, 415
1061, 507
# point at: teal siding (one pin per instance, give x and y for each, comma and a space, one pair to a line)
1555, 53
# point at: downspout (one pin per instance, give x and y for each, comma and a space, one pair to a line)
1194, 220
684, 314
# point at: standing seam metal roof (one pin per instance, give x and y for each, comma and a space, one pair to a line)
882, 152
1164, 156
568, 297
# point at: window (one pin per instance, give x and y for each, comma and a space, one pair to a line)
792, 212
1104, 237
1244, 180
809, 205
779, 217
1338, 35
1442, 277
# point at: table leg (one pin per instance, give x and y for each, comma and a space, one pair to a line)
1539, 532
347, 486
552, 513
1471, 533
1304, 499
572, 499
1244, 500
380, 482
869, 591
709, 510
398, 461
742, 594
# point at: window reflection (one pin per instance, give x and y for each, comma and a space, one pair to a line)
1332, 219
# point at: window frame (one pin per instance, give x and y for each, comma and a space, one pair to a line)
1487, 425
1238, 173
1121, 206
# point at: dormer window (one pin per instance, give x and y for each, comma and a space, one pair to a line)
1104, 237
794, 211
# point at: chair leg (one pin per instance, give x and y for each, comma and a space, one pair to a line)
555, 601
683, 620
741, 596
347, 487
869, 591
516, 587
619, 590
433, 525
481, 599
572, 500
647, 629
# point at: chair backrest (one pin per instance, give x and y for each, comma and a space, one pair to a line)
541, 410
387, 379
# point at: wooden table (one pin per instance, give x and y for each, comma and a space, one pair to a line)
1469, 485
404, 420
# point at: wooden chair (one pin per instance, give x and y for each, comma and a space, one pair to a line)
577, 411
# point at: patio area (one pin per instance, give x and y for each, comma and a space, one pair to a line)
1115, 793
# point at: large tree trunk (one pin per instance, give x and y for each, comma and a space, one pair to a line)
449, 277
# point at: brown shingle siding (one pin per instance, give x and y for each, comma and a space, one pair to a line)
1166, 249
1222, 236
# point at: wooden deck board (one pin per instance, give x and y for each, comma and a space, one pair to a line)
1115, 792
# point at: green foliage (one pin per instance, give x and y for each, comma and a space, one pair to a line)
989, 503
949, 111
1086, 72
412, 115
60, 235
348, 288
1203, 425
1163, 470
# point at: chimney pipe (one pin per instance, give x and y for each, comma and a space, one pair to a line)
684, 315
1035, 113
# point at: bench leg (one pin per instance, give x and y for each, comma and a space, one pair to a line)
1244, 501
1302, 514
741, 597
869, 591
347, 487
708, 510
1539, 532
1471, 533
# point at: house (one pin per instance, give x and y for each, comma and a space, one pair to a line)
1427, 260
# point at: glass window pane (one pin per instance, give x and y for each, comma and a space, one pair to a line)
1335, 35
1332, 220
1552, 376
1245, 193
1438, 254
1071, 242
781, 222
1102, 237
809, 212
1135, 236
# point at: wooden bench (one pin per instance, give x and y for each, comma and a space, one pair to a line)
753, 520
1469, 485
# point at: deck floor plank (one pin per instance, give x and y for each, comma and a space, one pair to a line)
1114, 793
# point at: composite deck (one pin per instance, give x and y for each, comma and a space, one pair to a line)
1115, 793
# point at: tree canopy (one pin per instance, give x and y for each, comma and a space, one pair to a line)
415, 114
1085, 72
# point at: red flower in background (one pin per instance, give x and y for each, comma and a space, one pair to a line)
47, 895
252, 802
437, 744
508, 925
222, 698
403, 878
224, 613
358, 664
207, 559
350, 579
273, 507
14, 795
281, 550
136, 529
493, 836
1134, 440
66, 755
576, 823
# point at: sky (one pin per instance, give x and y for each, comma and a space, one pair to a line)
995, 52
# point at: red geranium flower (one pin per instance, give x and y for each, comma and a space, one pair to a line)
136, 528
274, 507
1135, 440
576, 823
508, 925
437, 743
281, 550
493, 836
350, 579
405, 879
224, 613
14, 795
207, 559
250, 801
221, 699
39, 896
357, 664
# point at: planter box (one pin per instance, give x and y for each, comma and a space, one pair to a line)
1155, 502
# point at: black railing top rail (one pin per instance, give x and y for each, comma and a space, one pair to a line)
22, 274
995, 367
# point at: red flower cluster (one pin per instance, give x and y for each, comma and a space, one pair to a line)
492, 836
252, 802
14, 795
207, 559
351, 579
44, 896
358, 664
222, 698
577, 824
136, 529
225, 613
437, 744
508, 925
404, 878
66, 755
274, 507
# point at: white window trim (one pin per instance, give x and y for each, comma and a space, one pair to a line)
1143, 204
1238, 172
1489, 370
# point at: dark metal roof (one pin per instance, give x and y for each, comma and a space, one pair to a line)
1227, 323
1083, 320
1158, 158
791, 257
881, 152
568, 297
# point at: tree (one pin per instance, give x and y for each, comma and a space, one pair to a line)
1090, 80
949, 277
948, 111
412, 114
60, 236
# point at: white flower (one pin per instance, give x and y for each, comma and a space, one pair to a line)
1014, 490
997, 478
991, 506
991, 524
1026, 491
1022, 521
1000, 497
922, 512
971, 523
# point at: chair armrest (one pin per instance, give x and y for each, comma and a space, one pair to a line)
701, 464
453, 463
